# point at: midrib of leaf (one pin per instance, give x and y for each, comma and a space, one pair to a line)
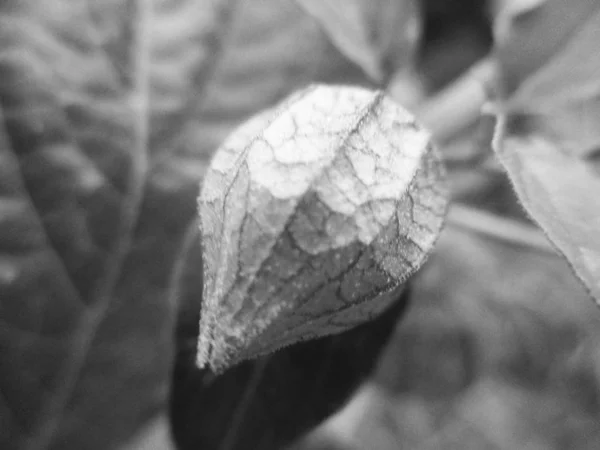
54, 411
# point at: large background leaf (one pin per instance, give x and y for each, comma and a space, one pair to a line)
548, 139
93, 205
108, 114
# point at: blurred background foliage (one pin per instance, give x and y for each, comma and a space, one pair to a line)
499, 346
499, 349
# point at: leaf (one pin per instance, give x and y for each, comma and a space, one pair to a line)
560, 194
311, 216
529, 33
109, 112
86, 329
368, 32
547, 140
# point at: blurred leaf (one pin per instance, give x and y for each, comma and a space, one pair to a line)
90, 113
561, 100
378, 35
109, 112
529, 33
548, 139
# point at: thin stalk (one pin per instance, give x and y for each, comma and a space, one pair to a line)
500, 228
459, 105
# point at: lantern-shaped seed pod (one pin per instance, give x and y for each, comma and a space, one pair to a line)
312, 215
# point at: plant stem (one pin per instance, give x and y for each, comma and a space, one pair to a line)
459, 105
500, 228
